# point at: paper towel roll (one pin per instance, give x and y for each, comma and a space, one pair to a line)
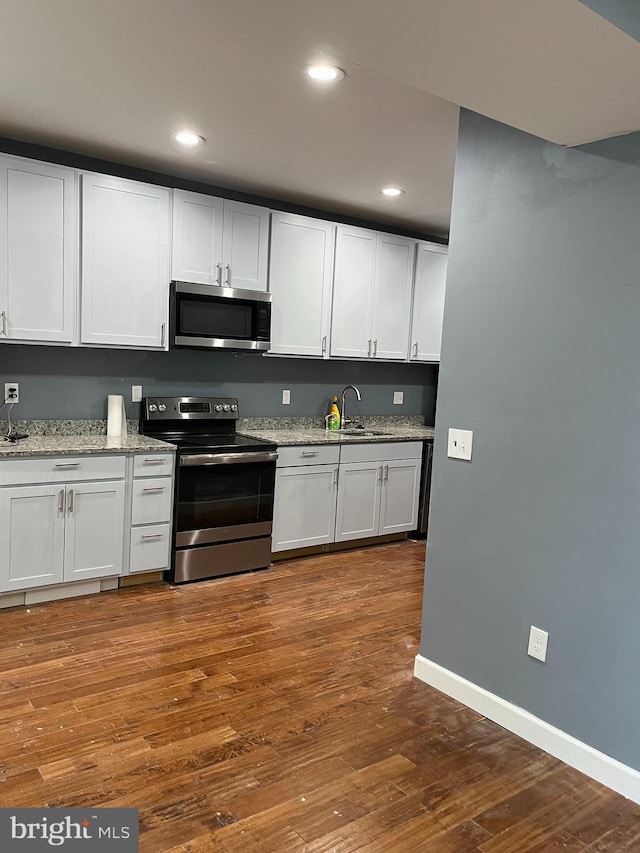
116, 417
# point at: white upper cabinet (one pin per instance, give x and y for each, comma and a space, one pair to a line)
392, 297
218, 241
38, 259
371, 294
353, 292
428, 302
125, 263
197, 238
300, 275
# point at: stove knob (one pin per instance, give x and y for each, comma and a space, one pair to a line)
153, 407
218, 407
162, 407
225, 408
234, 408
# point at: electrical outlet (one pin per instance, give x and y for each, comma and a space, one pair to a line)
460, 444
11, 392
398, 398
538, 643
136, 393
286, 396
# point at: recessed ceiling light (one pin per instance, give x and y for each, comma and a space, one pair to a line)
391, 191
325, 73
188, 137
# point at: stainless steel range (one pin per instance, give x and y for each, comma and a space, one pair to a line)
224, 486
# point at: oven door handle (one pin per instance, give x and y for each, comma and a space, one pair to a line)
201, 459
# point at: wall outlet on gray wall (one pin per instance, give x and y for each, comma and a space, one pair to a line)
538, 640
11, 392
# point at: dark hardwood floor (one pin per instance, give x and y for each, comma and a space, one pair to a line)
277, 712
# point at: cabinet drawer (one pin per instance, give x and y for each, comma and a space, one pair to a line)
151, 500
152, 464
149, 550
310, 454
381, 451
61, 469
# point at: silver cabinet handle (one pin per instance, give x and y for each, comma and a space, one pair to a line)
228, 275
369, 352
150, 460
3, 314
152, 536
309, 453
375, 348
61, 501
386, 472
67, 464
70, 500
162, 334
218, 273
324, 344
379, 478
154, 489
415, 350
335, 476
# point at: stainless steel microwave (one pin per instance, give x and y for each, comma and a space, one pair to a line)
204, 316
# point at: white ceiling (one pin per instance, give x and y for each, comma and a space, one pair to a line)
114, 78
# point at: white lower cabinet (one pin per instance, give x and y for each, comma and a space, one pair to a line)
64, 520
378, 489
151, 513
52, 533
340, 493
305, 497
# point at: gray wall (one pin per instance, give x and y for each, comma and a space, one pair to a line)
541, 359
65, 382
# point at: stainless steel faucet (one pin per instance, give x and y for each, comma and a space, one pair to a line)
343, 417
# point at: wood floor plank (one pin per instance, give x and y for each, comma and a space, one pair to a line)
276, 712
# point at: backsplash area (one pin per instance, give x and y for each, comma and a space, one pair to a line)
66, 427
68, 383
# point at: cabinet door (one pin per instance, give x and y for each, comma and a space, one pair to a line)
353, 293
245, 246
392, 296
399, 497
300, 277
31, 536
94, 530
428, 303
38, 234
305, 506
197, 238
125, 263
358, 508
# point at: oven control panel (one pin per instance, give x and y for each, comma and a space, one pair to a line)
190, 408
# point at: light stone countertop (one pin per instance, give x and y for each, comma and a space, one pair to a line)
81, 445
69, 438
284, 437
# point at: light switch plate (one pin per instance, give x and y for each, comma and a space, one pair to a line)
286, 396
136, 393
398, 398
460, 444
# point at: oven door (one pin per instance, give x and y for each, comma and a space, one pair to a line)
224, 496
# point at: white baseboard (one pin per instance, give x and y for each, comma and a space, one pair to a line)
615, 775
